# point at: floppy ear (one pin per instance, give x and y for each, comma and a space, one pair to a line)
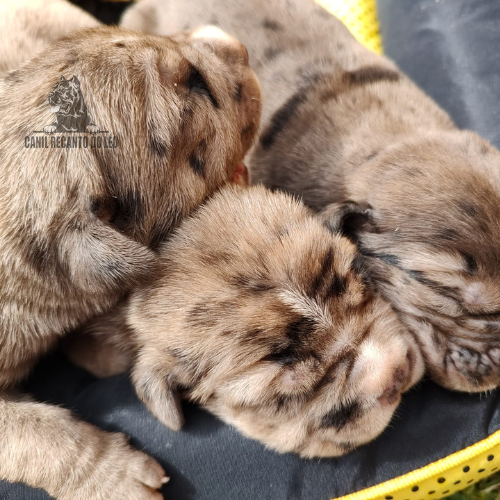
348, 218
156, 388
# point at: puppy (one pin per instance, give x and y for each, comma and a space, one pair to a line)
80, 224
265, 318
347, 131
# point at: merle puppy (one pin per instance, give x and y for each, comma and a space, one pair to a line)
354, 137
80, 226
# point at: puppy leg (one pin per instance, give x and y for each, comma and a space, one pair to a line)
103, 346
46, 447
97, 354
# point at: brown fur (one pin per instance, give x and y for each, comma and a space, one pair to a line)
347, 131
263, 316
79, 227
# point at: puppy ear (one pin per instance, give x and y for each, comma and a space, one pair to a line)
101, 259
348, 218
157, 389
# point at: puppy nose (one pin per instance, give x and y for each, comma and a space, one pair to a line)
222, 43
393, 391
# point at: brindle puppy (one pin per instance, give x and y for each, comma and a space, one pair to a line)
80, 226
346, 130
264, 317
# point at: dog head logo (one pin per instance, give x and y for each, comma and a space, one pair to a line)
72, 115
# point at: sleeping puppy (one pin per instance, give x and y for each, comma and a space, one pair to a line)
264, 317
80, 225
346, 130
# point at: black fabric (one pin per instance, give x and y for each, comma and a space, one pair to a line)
108, 12
449, 48
211, 461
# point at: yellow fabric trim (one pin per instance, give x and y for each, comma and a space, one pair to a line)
360, 16
458, 471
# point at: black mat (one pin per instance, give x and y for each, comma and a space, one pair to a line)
450, 48
211, 461
108, 12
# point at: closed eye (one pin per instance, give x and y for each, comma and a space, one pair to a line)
198, 85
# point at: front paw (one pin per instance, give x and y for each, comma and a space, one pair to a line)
113, 471
49, 129
92, 129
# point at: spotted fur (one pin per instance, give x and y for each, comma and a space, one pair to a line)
348, 132
262, 315
79, 227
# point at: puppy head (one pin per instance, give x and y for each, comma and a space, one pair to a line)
431, 234
185, 109
265, 318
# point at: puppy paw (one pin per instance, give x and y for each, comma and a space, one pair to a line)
114, 471
92, 129
108, 260
49, 129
